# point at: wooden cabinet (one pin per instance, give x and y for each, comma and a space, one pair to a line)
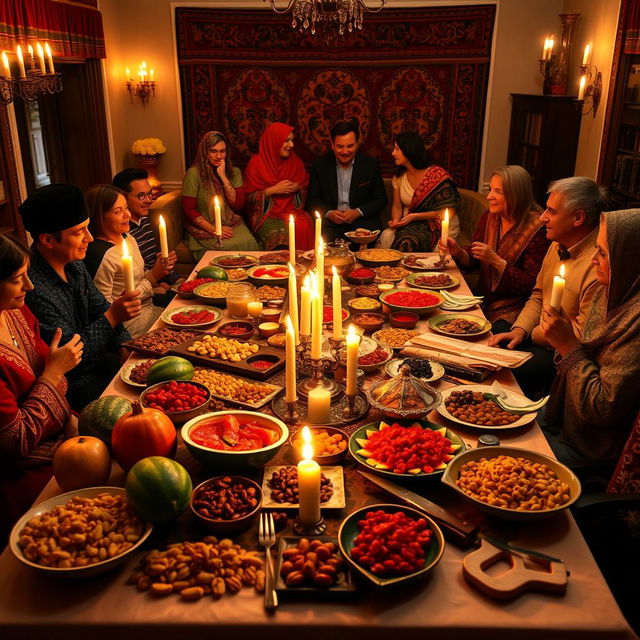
543, 138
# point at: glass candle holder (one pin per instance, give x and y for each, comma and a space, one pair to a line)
239, 294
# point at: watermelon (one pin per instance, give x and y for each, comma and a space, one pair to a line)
159, 489
99, 417
217, 273
169, 368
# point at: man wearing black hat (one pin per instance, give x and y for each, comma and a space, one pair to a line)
64, 295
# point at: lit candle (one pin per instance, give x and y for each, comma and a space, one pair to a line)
151, 75
337, 304
320, 270
587, 54
47, 49
217, 216
254, 308
5, 65
319, 411
292, 240
293, 302
305, 307
164, 245
545, 48
32, 64
550, 50
316, 320
127, 268
558, 289
318, 231
353, 343
40, 51
20, 62
444, 236
583, 85
308, 483
127, 73
290, 394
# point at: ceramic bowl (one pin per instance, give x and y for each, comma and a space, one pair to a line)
334, 458
259, 280
370, 368
375, 308
268, 329
177, 417
247, 327
409, 323
421, 311
356, 318
351, 279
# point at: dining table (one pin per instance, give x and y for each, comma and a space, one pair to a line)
442, 606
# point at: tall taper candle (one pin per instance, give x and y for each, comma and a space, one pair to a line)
558, 289
217, 216
40, 51
290, 394
337, 304
320, 270
308, 483
293, 302
305, 307
292, 240
23, 73
316, 320
127, 268
47, 49
353, 343
445, 228
5, 64
162, 233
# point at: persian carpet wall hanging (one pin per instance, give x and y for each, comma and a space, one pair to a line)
422, 70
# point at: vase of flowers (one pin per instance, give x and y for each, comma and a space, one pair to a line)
148, 152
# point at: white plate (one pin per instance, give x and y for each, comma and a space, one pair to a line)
167, 314
393, 369
442, 409
51, 503
125, 372
447, 306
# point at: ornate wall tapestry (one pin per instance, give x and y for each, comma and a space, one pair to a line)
422, 70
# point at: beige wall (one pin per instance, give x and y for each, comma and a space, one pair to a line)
142, 29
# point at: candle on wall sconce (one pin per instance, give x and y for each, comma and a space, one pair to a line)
581, 89
5, 65
586, 58
47, 50
23, 73
590, 90
145, 87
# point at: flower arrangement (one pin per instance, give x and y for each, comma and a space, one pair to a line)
148, 147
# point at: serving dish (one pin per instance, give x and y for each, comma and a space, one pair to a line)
435, 323
226, 330
158, 342
177, 417
243, 259
370, 368
259, 275
359, 438
413, 279
320, 459
436, 301
167, 315
564, 474
483, 388
403, 319
378, 336
392, 369
425, 263
73, 572
362, 236
368, 321
379, 257
221, 460
370, 305
128, 367
349, 530
219, 297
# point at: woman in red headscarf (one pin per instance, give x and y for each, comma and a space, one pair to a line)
276, 182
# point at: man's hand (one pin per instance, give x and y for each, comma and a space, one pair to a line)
514, 338
350, 215
336, 216
124, 308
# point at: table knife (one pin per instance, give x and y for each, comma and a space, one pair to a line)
459, 532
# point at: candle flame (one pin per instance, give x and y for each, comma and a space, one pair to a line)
562, 270
317, 215
289, 324
125, 249
47, 48
334, 271
143, 65
40, 50
291, 219
307, 447
19, 52
306, 282
446, 215
161, 221
216, 201
127, 72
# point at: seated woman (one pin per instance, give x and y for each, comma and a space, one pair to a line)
109, 224
421, 192
34, 413
508, 245
594, 398
276, 183
212, 174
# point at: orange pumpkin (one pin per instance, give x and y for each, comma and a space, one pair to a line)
83, 461
142, 433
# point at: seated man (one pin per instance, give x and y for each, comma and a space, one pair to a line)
64, 295
135, 183
346, 186
571, 221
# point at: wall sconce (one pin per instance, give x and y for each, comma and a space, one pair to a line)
590, 84
143, 89
33, 81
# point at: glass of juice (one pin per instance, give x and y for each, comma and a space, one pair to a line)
239, 295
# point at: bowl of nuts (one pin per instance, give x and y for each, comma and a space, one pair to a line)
511, 483
226, 504
179, 399
364, 303
75, 545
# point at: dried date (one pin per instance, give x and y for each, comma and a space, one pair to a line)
284, 486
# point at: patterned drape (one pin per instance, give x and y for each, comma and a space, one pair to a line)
71, 30
421, 70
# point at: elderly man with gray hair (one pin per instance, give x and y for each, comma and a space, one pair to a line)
571, 220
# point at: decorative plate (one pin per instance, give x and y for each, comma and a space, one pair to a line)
125, 372
392, 369
168, 314
413, 280
435, 323
248, 261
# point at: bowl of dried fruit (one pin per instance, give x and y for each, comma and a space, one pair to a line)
226, 504
329, 444
373, 361
369, 322
361, 275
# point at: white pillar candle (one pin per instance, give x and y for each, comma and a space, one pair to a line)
582, 87
293, 302
217, 216
320, 270
319, 406
292, 240
337, 304
308, 483
305, 307
47, 49
162, 232
290, 394
127, 268
587, 55
353, 343
444, 236
316, 320
23, 73
40, 51
5, 65
558, 289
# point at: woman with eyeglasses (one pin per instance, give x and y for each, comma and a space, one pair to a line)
109, 224
210, 175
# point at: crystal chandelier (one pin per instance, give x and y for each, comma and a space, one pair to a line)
346, 15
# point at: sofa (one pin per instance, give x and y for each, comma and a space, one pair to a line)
169, 206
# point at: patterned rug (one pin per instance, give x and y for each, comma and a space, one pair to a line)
408, 70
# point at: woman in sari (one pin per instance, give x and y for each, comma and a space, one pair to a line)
276, 184
210, 175
594, 398
421, 192
508, 245
34, 413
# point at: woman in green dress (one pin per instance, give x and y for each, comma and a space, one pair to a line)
212, 174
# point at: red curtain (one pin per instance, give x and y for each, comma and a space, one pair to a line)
631, 13
71, 30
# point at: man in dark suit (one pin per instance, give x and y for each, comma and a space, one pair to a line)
346, 186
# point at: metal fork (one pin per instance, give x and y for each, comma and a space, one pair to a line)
267, 538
